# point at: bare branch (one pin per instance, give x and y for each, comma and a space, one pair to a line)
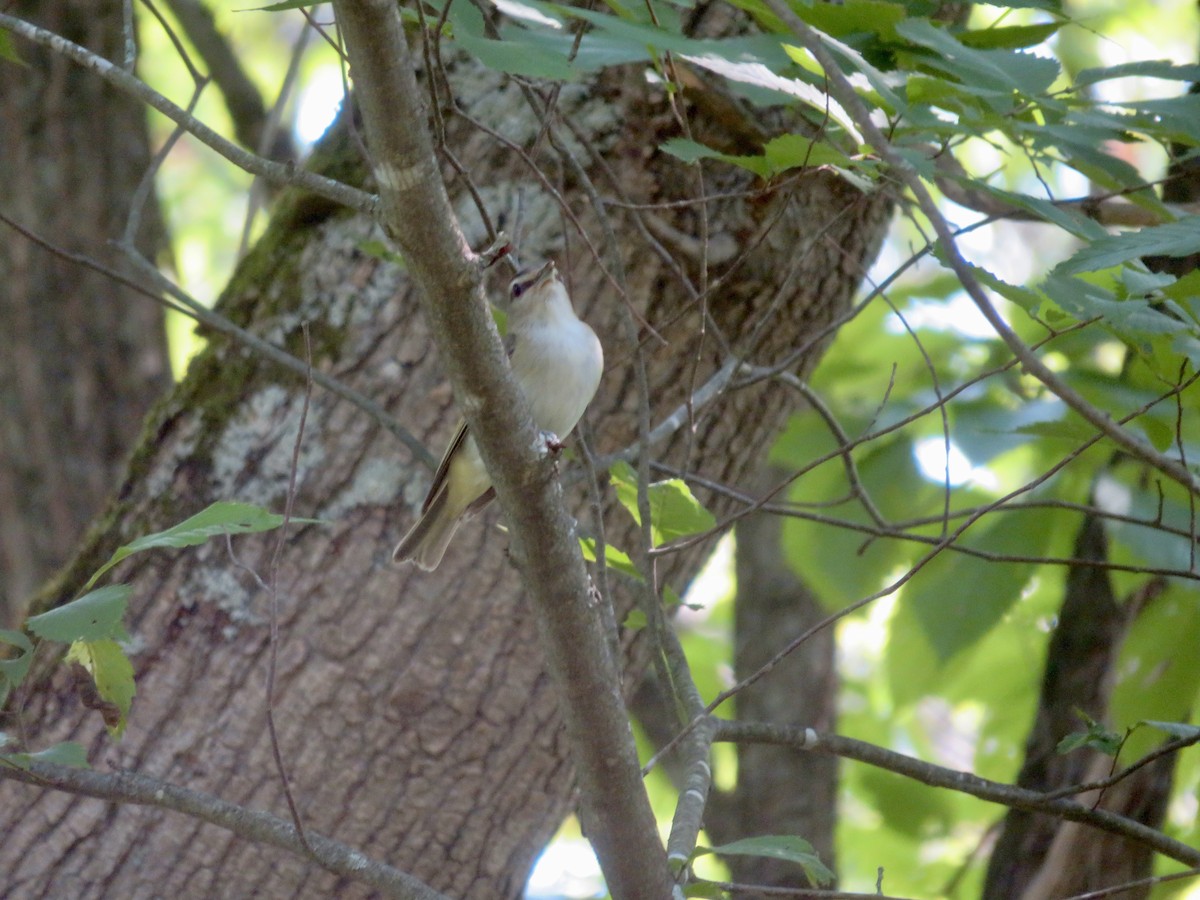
938, 776
248, 824
242, 98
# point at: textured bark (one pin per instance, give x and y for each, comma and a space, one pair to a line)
1038, 856
780, 790
83, 358
414, 713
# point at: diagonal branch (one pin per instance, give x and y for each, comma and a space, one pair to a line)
259, 827
938, 776
417, 215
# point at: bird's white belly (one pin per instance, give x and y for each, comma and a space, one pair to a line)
559, 374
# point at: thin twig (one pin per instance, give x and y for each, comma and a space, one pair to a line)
276, 173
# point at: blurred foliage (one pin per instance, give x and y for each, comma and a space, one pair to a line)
1036, 100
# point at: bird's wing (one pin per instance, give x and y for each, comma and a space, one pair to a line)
439, 477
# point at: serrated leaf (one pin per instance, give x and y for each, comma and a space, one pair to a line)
68, 753
14, 669
222, 517
984, 72
778, 846
1179, 238
94, 616
112, 673
1131, 318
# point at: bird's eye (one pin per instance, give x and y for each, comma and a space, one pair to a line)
518, 290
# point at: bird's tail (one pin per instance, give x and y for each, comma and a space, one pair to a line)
426, 542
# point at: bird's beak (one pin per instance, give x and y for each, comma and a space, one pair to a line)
545, 273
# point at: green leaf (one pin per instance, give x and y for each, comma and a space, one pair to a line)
635, 621
1179, 238
958, 597
14, 669
853, 17
516, 56
222, 517
1070, 429
788, 151
674, 510
1097, 737
68, 753
380, 250
613, 558
1145, 68
1010, 37
706, 890
778, 846
94, 616
1132, 318
112, 672
8, 51
984, 72
1181, 730
286, 5
1158, 432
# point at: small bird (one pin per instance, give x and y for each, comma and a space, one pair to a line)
557, 361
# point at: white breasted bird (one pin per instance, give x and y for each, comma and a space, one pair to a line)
557, 361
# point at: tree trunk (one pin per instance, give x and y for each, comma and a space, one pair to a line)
1041, 857
83, 358
415, 717
780, 790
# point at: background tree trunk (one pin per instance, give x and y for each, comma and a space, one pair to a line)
415, 717
83, 358
779, 790
1041, 857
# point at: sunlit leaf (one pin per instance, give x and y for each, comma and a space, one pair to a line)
112, 673
674, 510
613, 557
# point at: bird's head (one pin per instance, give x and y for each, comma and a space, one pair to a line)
534, 288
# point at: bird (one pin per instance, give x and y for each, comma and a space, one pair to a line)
557, 360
